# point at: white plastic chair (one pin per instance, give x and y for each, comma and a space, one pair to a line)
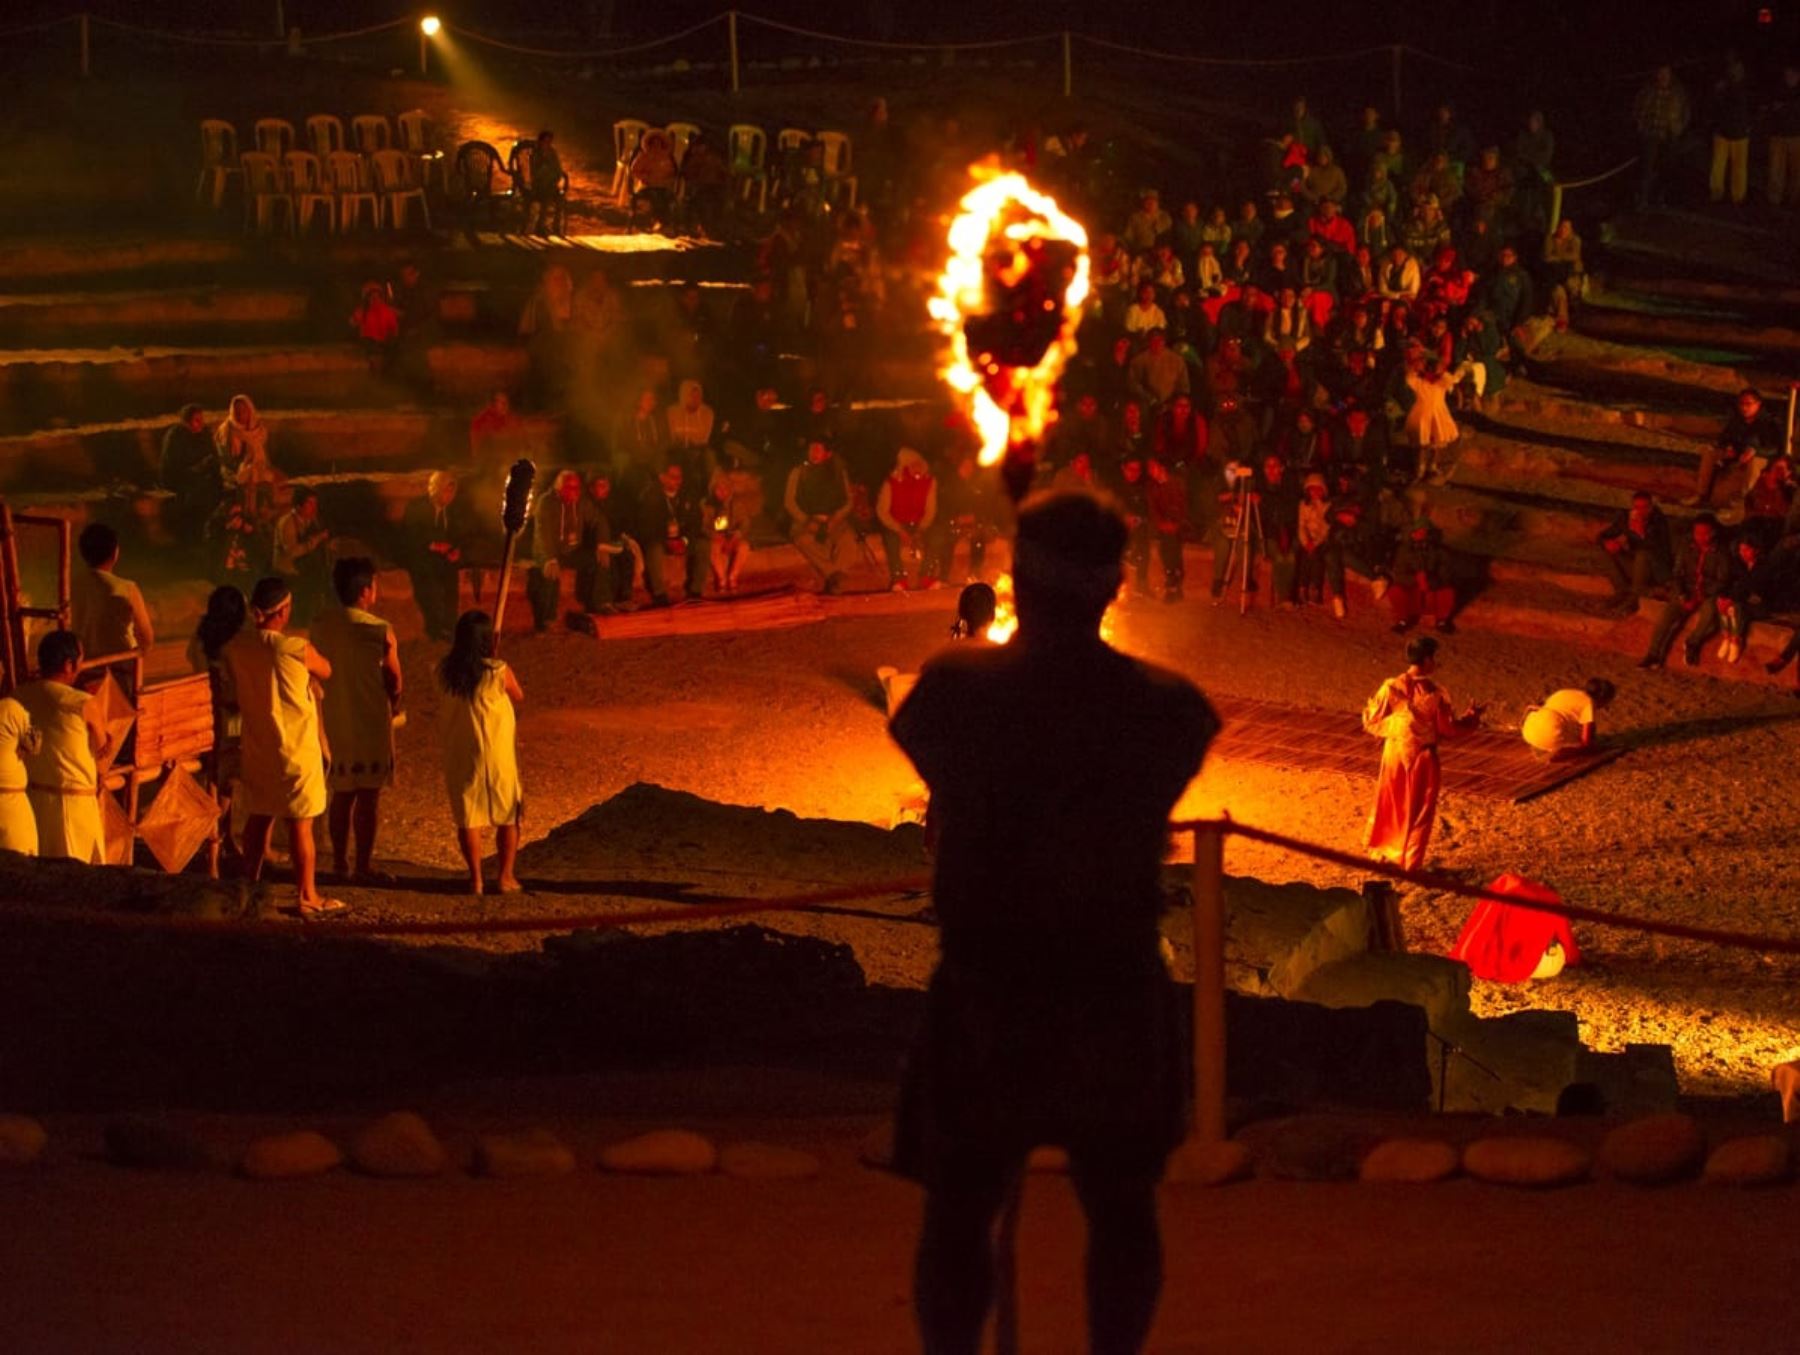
325, 135
265, 194
836, 146
274, 137
747, 147
347, 178
791, 138
680, 134
627, 133
369, 132
306, 182
218, 160
416, 140
396, 180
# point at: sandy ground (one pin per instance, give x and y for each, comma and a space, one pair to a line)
1692, 825
596, 1263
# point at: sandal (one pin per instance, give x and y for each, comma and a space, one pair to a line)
322, 908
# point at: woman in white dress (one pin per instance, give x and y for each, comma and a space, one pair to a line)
1428, 422
481, 763
283, 772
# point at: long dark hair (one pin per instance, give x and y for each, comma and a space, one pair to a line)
462, 668
226, 612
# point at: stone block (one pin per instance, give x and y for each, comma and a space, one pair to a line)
532, 1152
1286, 932
1756, 1160
1417, 1161
1300, 1053
22, 1140
1526, 1161
1653, 1151
1518, 1062
768, 1162
289, 1156
399, 1145
1438, 987
662, 1152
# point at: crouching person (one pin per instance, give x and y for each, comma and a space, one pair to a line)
1421, 584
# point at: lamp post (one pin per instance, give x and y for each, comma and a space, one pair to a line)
429, 27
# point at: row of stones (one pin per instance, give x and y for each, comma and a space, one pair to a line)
1656, 1150
404, 1145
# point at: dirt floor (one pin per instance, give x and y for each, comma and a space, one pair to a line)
1691, 825
200, 1263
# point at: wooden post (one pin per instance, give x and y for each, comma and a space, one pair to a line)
1068, 65
731, 37
1395, 78
87, 68
1209, 984
424, 54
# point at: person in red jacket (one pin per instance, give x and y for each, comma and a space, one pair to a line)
906, 507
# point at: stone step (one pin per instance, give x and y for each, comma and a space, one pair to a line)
1539, 405
1696, 244
41, 387
1596, 368
1732, 339
1521, 461
1769, 303
1496, 513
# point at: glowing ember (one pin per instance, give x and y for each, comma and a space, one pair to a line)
1008, 303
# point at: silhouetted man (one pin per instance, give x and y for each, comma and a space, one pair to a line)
1051, 1019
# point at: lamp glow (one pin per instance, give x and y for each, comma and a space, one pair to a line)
431, 25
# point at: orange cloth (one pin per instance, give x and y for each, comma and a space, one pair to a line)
1409, 714
1505, 943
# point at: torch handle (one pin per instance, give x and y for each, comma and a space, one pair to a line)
506, 564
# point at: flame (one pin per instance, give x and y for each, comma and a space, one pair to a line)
1002, 210
1006, 619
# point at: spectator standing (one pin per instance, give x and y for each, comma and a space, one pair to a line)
62, 771
435, 536
1730, 116
358, 710
479, 737
1784, 140
1660, 114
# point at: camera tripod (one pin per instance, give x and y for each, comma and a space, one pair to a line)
1246, 540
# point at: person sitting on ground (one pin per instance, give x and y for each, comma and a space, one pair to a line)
1563, 271
1143, 314
1702, 571
1158, 374
818, 502
358, 710
301, 553
906, 508
608, 541
283, 761
62, 771
1748, 437
1639, 554
1148, 224
1563, 726
561, 523
728, 532
377, 326
1746, 597
671, 521
189, 470
478, 735
1421, 584
105, 611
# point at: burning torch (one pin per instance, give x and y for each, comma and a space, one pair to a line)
515, 509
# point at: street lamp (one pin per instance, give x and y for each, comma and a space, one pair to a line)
429, 27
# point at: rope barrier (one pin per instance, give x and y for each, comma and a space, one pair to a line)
567, 54
1111, 46
207, 40
38, 27
1599, 178
898, 46
1449, 884
542, 922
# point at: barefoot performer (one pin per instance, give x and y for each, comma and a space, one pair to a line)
1410, 713
63, 780
481, 764
360, 701
283, 775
